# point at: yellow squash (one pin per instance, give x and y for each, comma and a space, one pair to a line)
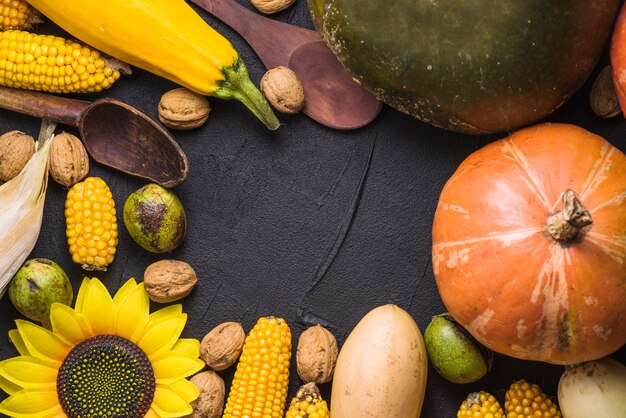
381, 369
165, 37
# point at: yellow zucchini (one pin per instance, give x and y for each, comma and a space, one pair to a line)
165, 37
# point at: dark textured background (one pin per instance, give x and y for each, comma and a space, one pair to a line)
307, 223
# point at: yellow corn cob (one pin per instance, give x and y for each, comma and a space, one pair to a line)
525, 400
308, 403
91, 224
17, 14
259, 388
480, 405
53, 64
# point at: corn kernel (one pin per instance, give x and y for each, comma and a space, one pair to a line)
526, 400
51, 58
17, 14
91, 236
480, 405
251, 396
308, 403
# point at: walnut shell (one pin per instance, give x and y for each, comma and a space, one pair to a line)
169, 280
16, 148
210, 402
183, 109
69, 162
283, 90
222, 346
603, 97
316, 355
271, 6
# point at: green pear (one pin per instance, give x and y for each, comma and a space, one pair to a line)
454, 353
155, 218
36, 286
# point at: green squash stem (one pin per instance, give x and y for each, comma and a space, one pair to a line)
237, 85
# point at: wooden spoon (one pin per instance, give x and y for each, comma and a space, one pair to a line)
332, 97
115, 134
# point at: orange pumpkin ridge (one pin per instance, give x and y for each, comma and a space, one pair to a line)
499, 270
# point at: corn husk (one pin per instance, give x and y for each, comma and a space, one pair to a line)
21, 208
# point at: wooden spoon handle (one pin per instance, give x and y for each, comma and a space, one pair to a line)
42, 105
272, 40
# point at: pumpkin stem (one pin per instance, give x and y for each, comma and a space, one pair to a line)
564, 226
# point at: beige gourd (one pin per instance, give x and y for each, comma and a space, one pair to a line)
381, 369
595, 389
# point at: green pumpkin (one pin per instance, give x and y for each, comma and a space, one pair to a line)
472, 66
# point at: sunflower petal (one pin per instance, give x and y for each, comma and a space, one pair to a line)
187, 346
171, 366
82, 294
18, 342
162, 335
151, 414
29, 372
30, 404
168, 403
126, 289
42, 343
98, 309
132, 313
68, 324
8, 386
187, 390
166, 312
56, 413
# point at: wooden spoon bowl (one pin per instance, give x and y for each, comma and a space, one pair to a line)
332, 101
120, 136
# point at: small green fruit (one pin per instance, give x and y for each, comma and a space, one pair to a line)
454, 353
155, 218
36, 286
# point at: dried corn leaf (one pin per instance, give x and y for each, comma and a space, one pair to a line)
21, 209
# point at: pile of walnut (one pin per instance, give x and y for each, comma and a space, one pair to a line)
283, 90
69, 162
271, 6
16, 148
169, 280
182, 109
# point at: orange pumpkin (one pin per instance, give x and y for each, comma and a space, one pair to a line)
529, 245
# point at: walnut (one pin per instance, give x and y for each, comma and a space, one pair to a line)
210, 402
603, 97
316, 355
283, 90
222, 346
271, 6
183, 109
69, 162
16, 148
169, 280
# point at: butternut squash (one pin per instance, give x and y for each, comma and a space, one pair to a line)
381, 369
165, 37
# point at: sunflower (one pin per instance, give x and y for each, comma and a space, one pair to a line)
107, 357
